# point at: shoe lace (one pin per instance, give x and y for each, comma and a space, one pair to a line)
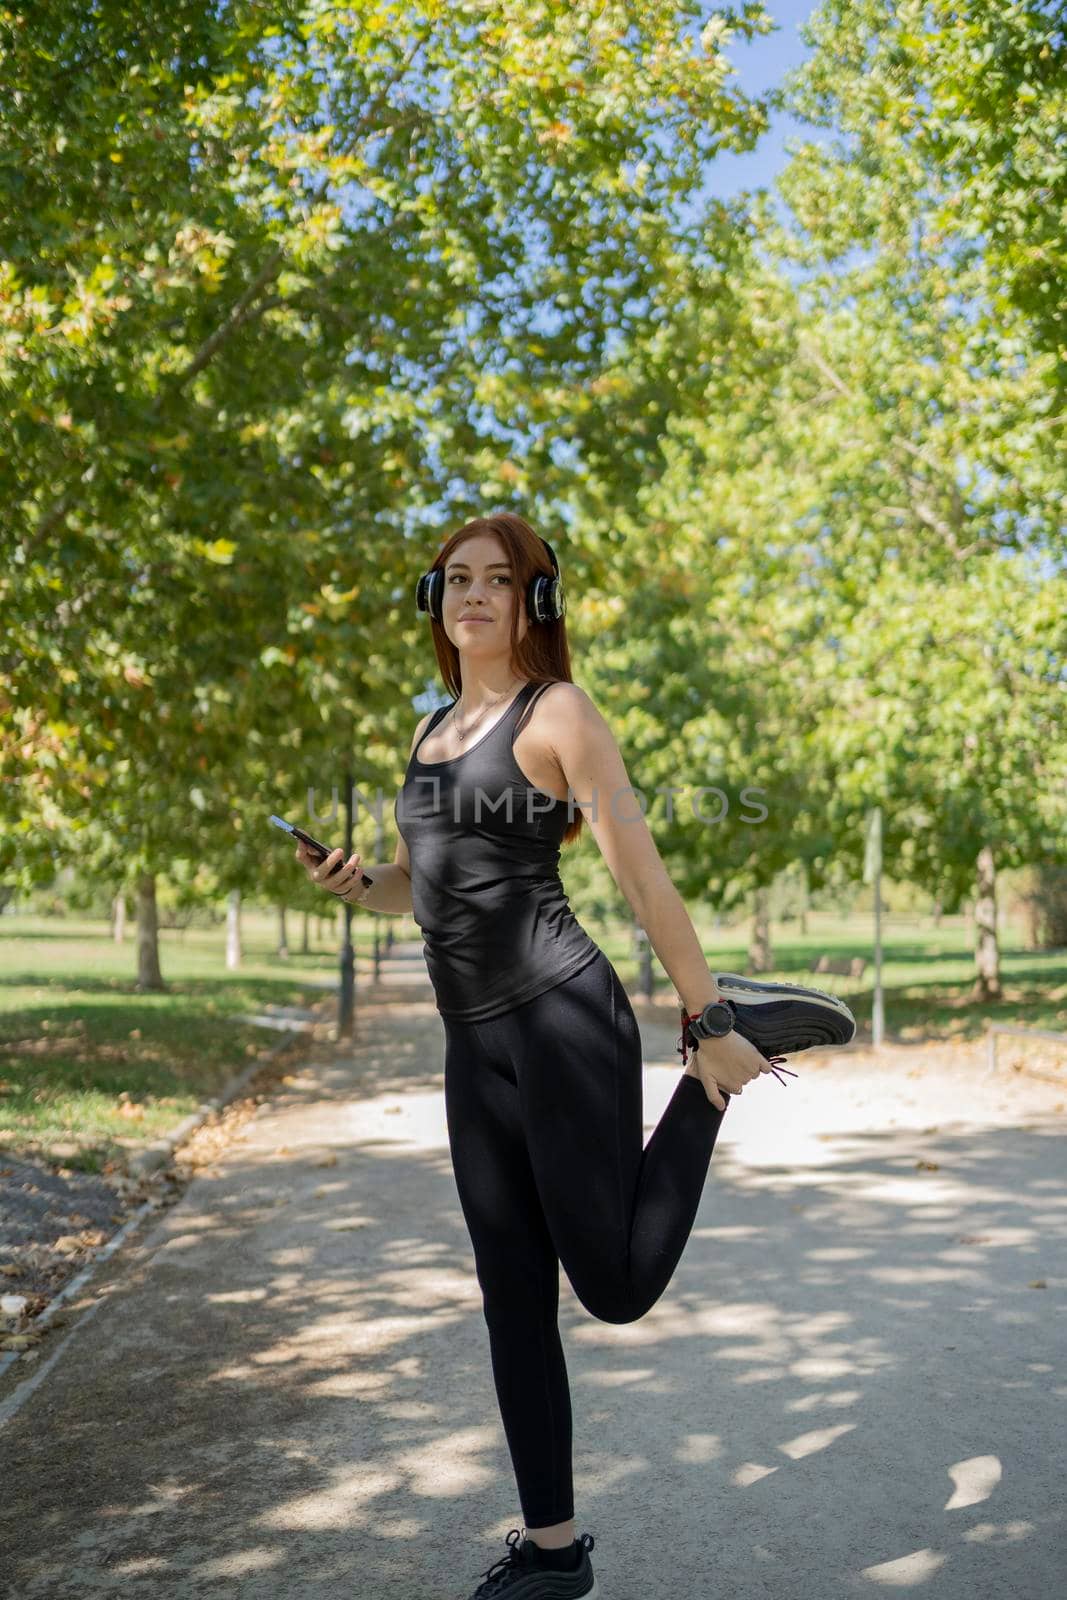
776, 1062
496, 1575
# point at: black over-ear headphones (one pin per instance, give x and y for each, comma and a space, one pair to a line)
545, 600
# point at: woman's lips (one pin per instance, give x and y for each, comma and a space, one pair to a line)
475, 619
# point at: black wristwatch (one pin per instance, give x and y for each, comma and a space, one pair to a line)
714, 1022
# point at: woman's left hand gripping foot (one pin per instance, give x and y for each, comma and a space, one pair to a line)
727, 1063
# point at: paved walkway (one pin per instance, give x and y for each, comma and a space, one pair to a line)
853, 1385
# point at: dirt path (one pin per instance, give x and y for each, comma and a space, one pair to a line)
853, 1383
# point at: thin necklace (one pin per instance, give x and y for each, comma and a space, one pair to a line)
464, 732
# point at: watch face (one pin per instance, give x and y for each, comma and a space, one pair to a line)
717, 1018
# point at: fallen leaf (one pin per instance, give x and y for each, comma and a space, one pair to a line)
88, 1239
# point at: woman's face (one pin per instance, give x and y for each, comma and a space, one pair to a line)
480, 582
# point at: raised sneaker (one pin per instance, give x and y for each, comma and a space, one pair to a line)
781, 1019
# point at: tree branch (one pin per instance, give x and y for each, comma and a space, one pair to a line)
239, 314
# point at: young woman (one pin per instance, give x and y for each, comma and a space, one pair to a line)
543, 1088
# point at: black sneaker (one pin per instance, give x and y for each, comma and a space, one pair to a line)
520, 1575
782, 1018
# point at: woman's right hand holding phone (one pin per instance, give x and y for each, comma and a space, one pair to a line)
335, 874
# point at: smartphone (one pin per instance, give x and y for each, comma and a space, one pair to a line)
314, 845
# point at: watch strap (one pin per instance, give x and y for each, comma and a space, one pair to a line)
688, 1040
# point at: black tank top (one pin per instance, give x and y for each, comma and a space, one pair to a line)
485, 887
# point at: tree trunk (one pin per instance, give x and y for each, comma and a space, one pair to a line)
1044, 901
805, 902
148, 973
986, 950
937, 912
759, 948
643, 952
233, 930
1032, 914
1052, 888
305, 946
283, 942
118, 917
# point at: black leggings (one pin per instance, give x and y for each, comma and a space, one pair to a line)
544, 1110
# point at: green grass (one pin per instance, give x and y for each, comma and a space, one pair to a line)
86, 1061
89, 1065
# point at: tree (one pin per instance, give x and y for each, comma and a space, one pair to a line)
975, 94
273, 296
861, 465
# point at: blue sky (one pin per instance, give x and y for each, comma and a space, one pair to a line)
761, 64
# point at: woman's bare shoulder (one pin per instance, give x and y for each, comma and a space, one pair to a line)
564, 696
420, 729
565, 702
560, 710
